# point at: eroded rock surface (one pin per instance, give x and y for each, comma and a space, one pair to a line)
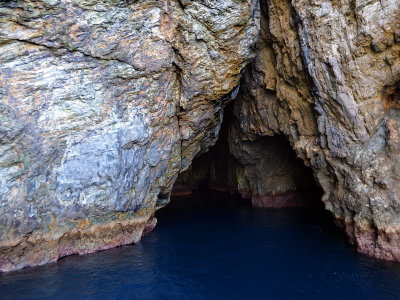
327, 75
103, 103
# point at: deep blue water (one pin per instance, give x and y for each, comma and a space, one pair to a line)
209, 246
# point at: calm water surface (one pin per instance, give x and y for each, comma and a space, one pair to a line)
209, 246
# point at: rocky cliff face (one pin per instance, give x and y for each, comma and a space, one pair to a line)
103, 103
327, 75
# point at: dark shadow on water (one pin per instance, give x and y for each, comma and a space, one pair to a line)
211, 246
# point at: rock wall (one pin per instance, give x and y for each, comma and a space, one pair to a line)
103, 103
327, 75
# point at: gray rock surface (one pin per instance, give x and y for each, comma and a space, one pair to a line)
103, 103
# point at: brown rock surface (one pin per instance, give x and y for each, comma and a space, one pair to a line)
327, 75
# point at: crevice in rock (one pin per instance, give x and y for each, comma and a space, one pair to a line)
391, 96
162, 199
211, 169
72, 50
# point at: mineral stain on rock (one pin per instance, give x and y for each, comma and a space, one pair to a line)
103, 104
391, 96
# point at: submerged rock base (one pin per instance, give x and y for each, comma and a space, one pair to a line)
379, 242
41, 248
291, 199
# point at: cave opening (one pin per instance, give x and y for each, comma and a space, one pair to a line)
265, 171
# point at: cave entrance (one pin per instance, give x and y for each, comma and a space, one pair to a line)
266, 170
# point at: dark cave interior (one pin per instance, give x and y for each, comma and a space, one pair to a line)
276, 175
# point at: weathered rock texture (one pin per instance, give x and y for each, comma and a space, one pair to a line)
327, 75
103, 103
269, 173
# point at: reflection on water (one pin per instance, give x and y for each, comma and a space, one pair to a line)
209, 246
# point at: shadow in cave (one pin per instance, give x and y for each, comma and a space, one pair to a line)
265, 171
213, 170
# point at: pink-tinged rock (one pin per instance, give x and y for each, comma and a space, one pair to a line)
293, 199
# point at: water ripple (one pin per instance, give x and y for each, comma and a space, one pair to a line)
209, 246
